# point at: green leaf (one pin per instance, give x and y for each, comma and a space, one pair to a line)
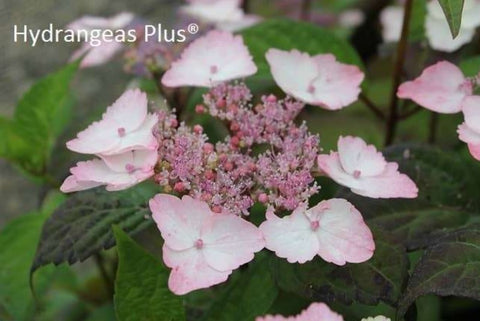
448, 192
449, 267
471, 66
381, 278
287, 35
453, 12
39, 118
250, 293
18, 241
82, 225
141, 291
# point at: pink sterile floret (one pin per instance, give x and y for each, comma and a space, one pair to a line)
317, 80
365, 171
469, 131
102, 53
333, 229
216, 57
316, 311
201, 247
126, 125
441, 88
117, 172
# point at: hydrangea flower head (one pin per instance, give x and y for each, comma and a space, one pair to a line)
365, 171
317, 80
316, 311
441, 87
217, 57
202, 247
469, 131
126, 125
332, 229
117, 172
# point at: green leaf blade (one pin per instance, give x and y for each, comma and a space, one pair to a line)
450, 267
141, 291
250, 293
453, 12
82, 225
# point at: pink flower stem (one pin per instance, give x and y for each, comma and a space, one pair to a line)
397, 74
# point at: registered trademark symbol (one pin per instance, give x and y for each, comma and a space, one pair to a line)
193, 28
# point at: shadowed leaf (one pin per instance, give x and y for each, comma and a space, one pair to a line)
381, 278
449, 267
82, 225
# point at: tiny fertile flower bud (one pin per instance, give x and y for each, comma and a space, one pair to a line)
228, 166
222, 157
199, 109
233, 108
234, 127
208, 148
173, 123
206, 197
217, 209
271, 98
179, 187
198, 129
221, 103
234, 141
209, 174
258, 108
263, 198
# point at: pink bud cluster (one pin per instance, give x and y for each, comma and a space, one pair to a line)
232, 174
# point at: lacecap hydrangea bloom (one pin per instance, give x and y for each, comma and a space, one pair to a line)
202, 247
365, 171
216, 57
266, 157
317, 80
441, 88
124, 142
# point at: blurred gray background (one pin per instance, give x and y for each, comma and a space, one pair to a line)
21, 65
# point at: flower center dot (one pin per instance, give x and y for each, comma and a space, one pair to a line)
314, 225
121, 131
213, 69
198, 244
130, 168
311, 89
357, 174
